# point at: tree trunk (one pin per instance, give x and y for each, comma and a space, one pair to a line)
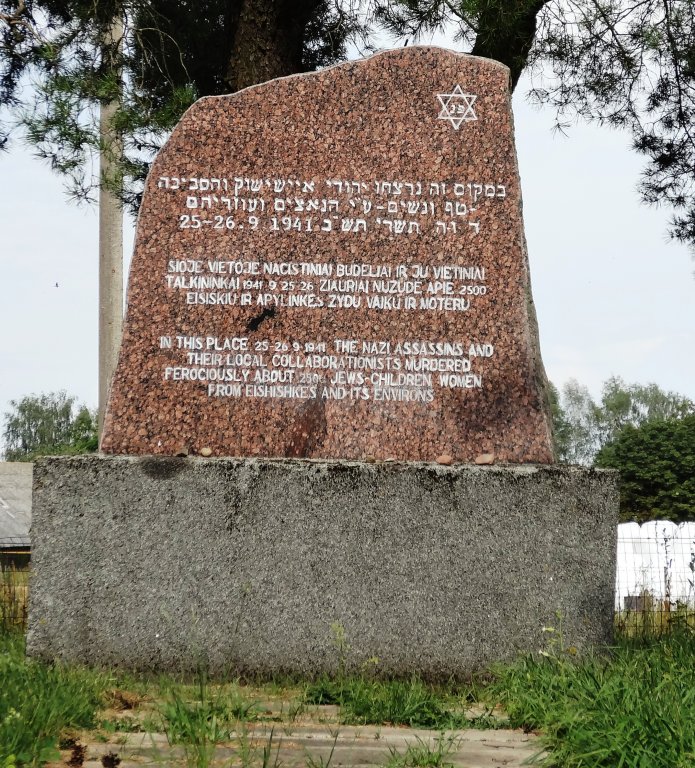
267, 40
110, 235
506, 32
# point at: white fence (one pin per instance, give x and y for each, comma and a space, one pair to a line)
656, 565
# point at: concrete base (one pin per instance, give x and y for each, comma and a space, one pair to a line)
263, 567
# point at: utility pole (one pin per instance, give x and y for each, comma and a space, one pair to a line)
110, 225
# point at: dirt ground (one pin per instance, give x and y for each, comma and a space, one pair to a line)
289, 734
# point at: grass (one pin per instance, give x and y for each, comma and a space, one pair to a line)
423, 755
657, 619
39, 702
411, 702
201, 722
632, 709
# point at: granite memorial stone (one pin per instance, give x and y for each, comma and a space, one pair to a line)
333, 265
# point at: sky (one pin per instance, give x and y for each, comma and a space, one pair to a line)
613, 295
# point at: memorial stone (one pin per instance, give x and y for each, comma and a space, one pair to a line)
333, 265
328, 266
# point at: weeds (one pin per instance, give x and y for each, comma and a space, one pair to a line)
248, 752
634, 709
398, 702
38, 702
654, 618
121, 725
422, 755
319, 762
195, 725
200, 724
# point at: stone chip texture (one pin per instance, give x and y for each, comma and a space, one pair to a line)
365, 123
251, 566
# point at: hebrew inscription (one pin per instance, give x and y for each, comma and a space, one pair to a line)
318, 276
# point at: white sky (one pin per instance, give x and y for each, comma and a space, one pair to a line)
613, 295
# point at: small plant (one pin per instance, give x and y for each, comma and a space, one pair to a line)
340, 642
320, 762
194, 725
487, 721
398, 702
296, 709
247, 751
423, 755
199, 724
268, 760
121, 725
325, 690
375, 702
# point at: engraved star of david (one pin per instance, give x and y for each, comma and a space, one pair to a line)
457, 107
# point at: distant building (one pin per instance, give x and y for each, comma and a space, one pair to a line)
15, 511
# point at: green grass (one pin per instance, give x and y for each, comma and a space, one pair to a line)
200, 717
633, 709
38, 702
423, 755
398, 702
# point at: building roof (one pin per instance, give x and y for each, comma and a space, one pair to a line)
15, 503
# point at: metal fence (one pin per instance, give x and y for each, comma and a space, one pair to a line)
655, 583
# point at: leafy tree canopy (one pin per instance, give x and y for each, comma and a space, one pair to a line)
583, 427
646, 433
48, 424
657, 469
165, 56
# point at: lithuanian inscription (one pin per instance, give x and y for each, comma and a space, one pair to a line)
333, 265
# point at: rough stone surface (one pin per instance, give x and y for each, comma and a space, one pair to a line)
359, 231
251, 565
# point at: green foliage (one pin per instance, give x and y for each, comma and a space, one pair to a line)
48, 424
167, 55
200, 722
562, 429
37, 702
636, 404
398, 702
633, 709
657, 469
583, 426
198, 727
646, 433
422, 754
575, 424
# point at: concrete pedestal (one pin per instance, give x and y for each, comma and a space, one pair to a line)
258, 566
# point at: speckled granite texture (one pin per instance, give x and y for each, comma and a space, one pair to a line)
166, 563
333, 265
